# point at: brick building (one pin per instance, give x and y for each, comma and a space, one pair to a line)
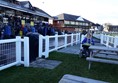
71, 22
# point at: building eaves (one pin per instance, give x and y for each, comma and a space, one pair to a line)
22, 3
22, 9
42, 12
70, 17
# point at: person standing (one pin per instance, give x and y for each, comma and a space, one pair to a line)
32, 29
7, 31
25, 30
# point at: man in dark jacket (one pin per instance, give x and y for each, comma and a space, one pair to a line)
7, 31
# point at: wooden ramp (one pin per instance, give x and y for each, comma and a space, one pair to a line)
77, 79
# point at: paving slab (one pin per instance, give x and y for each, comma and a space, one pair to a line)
75, 49
43, 63
77, 79
71, 49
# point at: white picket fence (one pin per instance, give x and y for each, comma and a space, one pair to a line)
110, 41
14, 52
51, 43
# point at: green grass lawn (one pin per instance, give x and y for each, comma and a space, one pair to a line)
71, 64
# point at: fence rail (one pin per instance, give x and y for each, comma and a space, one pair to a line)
10, 52
16, 51
110, 41
50, 43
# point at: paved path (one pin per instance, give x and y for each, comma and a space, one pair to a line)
43, 63
71, 49
76, 48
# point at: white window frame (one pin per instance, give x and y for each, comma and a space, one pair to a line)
72, 23
76, 23
66, 22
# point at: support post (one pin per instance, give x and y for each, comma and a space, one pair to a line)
18, 49
101, 38
72, 39
89, 67
26, 52
47, 47
40, 45
77, 38
56, 42
65, 40
107, 42
115, 41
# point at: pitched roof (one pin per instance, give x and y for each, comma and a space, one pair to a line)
24, 3
37, 10
70, 17
98, 24
113, 26
22, 9
42, 11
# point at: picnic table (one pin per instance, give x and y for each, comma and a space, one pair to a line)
108, 51
68, 78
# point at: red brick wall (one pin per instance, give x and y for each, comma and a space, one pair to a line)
58, 26
66, 28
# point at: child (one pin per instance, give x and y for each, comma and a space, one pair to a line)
86, 44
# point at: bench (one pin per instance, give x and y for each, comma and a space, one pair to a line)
110, 53
115, 57
67, 78
91, 59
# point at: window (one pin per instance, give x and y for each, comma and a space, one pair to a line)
80, 23
73, 23
77, 23
86, 24
60, 22
67, 22
83, 24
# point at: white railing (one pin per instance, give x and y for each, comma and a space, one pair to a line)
110, 41
51, 43
14, 52
97, 35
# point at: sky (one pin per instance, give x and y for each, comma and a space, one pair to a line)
97, 11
